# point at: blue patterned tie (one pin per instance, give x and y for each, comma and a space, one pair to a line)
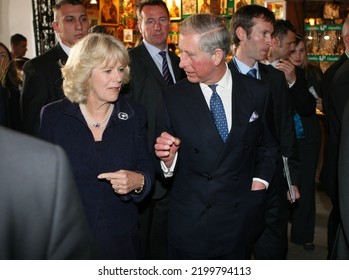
165, 70
252, 73
218, 113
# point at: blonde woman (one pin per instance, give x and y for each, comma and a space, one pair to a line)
104, 137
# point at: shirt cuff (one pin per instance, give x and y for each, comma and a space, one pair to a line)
291, 84
168, 172
262, 181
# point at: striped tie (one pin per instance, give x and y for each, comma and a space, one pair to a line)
165, 70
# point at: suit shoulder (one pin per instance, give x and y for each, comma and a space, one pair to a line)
44, 62
137, 51
247, 80
14, 142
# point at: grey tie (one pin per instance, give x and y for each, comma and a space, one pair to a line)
252, 73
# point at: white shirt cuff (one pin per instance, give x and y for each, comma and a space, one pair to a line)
262, 181
168, 172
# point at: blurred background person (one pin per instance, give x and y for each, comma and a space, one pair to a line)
19, 46
5, 58
309, 141
41, 213
12, 83
104, 136
42, 75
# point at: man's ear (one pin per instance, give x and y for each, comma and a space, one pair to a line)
217, 56
241, 33
275, 41
55, 26
139, 26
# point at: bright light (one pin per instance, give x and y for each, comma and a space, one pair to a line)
93, 2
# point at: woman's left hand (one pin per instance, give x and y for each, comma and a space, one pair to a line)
124, 181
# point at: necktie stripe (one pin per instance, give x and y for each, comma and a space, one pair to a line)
165, 70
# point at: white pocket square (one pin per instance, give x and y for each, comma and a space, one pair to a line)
254, 116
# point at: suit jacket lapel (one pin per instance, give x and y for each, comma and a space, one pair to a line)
194, 101
61, 54
150, 64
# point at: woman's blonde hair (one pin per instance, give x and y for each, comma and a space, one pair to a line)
90, 52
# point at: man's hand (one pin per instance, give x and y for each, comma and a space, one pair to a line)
166, 147
289, 69
295, 191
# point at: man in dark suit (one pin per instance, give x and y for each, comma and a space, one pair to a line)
42, 75
41, 214
221, 160
146, 85
251, 28
341, 242
303, 103
329, 172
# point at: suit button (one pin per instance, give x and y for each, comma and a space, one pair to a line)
208, 206
209, 178
236, 204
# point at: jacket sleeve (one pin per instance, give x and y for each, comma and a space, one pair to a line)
303, 100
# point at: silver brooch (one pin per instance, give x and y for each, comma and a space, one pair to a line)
123, 116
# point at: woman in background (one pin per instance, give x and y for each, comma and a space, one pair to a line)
309, 139
5, 58
104, 136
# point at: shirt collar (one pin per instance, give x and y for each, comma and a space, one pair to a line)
225, 82
65, 48
243, 68
153, 50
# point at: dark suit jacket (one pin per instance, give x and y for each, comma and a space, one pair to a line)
303, 101
41, 214
146, 87
212, 207
327, 80
124, 146
341, 247
42, 85
338, 97
282, 114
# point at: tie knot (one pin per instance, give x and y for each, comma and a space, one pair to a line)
252, 73
163, 54
213, 87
